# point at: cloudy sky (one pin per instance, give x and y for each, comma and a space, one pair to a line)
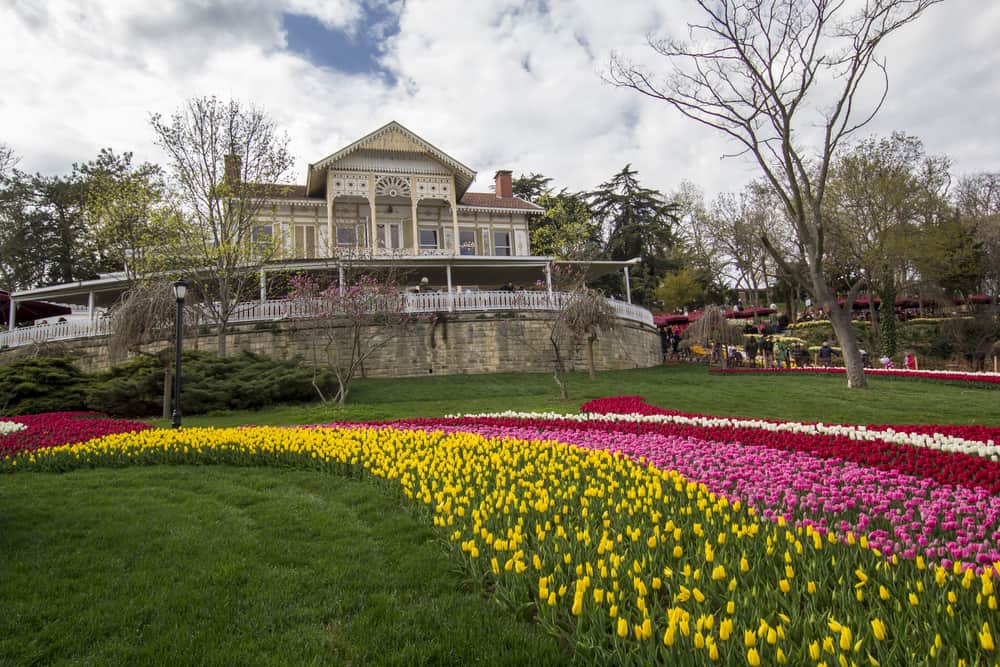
496, 84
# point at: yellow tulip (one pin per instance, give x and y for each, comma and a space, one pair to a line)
986, 638
878, 628
753, 658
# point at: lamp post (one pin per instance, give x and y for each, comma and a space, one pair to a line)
180, 291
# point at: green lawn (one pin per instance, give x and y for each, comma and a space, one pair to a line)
209, 565
681, 387
232, 566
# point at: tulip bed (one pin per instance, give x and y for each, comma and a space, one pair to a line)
683, 542
50, 429
952, 376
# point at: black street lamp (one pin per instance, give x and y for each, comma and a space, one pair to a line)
180, 291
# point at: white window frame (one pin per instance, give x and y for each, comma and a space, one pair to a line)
509, 246
428, 230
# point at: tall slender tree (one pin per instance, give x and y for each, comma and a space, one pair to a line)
224, 159
782, 80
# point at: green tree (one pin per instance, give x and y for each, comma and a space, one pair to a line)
566, 230
123, 203
224, 158
680, 289
637, 222
880, 193
977, 198
531, 187
22, 251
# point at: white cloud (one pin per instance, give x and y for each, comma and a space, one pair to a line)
498, 85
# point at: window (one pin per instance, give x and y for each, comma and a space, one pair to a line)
428, 239
501, 243
388, 235
347, 235
262, 236
304, 242
467, 240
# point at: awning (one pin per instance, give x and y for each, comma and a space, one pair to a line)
29, 311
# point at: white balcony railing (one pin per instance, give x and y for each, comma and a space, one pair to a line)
280, 309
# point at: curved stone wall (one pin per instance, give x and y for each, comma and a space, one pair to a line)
453, 344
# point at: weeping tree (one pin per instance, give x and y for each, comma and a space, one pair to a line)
714, 327
783, 81
145, 315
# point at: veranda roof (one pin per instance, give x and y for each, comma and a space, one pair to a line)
29, 310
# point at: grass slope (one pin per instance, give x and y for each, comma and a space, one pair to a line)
234, 566
688, 388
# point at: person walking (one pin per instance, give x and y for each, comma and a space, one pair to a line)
780, 354
750, 348
825, 355
767, 349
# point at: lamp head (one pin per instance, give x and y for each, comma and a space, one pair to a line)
180, 290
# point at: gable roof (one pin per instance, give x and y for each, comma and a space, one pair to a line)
491, 200
389, 137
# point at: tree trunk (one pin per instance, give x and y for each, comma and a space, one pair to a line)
887, 315
220, 334
590, 356
841, 321
873, 318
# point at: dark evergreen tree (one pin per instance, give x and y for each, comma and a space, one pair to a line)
637, 222
531, 187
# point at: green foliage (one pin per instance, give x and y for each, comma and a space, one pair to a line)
566, 229
530, 187
639, 222
680, 289
246, 382
45, 384
135, 389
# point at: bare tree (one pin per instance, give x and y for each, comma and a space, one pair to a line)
225, 158
781, 78
580, 321
350, 322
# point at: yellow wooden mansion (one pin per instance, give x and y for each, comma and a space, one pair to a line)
393, 193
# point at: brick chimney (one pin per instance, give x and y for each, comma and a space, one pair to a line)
234, 165
505, 187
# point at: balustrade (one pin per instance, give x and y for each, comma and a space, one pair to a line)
280, 309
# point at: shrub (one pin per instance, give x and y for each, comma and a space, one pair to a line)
135, 389
44, 384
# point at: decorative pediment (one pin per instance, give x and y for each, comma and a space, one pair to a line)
394, 140
391, 139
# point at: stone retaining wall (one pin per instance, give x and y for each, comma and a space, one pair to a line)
468, 343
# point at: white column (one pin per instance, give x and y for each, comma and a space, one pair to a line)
90, 306
413, 221
628, 287
451, 296
454, 220
331, 237
10, 316
548, 278
372, 239
263, 286
340, 279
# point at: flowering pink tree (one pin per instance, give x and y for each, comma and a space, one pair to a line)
349, 323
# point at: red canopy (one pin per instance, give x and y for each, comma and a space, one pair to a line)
29, 311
